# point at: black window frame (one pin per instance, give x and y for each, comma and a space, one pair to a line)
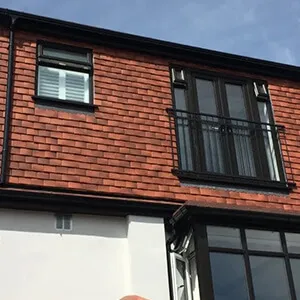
245, 252
196, 219
65, 64
201, 175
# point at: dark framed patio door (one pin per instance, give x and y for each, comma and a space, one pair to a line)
227, 139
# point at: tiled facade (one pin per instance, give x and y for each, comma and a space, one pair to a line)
124, 145
3, 77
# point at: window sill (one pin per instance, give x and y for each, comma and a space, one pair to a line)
233, 181
68, 104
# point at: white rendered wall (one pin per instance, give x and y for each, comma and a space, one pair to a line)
147, 258
38, 263
102, 258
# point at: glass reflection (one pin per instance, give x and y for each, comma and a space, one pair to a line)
212, 138
293, 242
263, 240
229, 277
183, 131
181, 280
269, 278
295, 264
224, 237
194, 279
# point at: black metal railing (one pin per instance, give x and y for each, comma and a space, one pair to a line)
218, 148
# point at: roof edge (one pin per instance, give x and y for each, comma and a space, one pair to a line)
228, 215
148, 45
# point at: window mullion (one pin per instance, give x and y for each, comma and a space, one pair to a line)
203, 262
288, 266
247, 265
228, 143
195, 125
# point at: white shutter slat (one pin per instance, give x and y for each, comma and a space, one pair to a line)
76, 86
48, 82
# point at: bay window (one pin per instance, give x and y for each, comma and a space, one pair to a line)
236, 262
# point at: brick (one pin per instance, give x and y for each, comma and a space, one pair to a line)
124, 146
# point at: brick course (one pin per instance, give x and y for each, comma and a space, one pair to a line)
124, 146
3, 79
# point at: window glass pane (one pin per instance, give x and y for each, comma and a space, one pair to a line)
263, 240
63, 54
212, 143
243, 148
48, 82
293, 242
211, 134
194, 279
269, 278
63, 84
59, 222
224, 237
184, 133
263, 112
268, 141
295, 264
180, 100
181, 280
206, 96
67, 222
229, 277
240, 130
77, 86
236, 101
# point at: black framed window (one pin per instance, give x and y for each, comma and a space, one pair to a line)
64, 73
225, 130
239, 263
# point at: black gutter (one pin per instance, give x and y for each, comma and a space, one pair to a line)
79, 192
9, 100
42, 201
93, 35
230, 216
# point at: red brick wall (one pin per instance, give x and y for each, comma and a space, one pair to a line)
124, 146
3, 78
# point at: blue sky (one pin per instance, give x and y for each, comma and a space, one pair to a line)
267, 29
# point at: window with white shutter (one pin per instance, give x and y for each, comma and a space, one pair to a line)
64, 74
